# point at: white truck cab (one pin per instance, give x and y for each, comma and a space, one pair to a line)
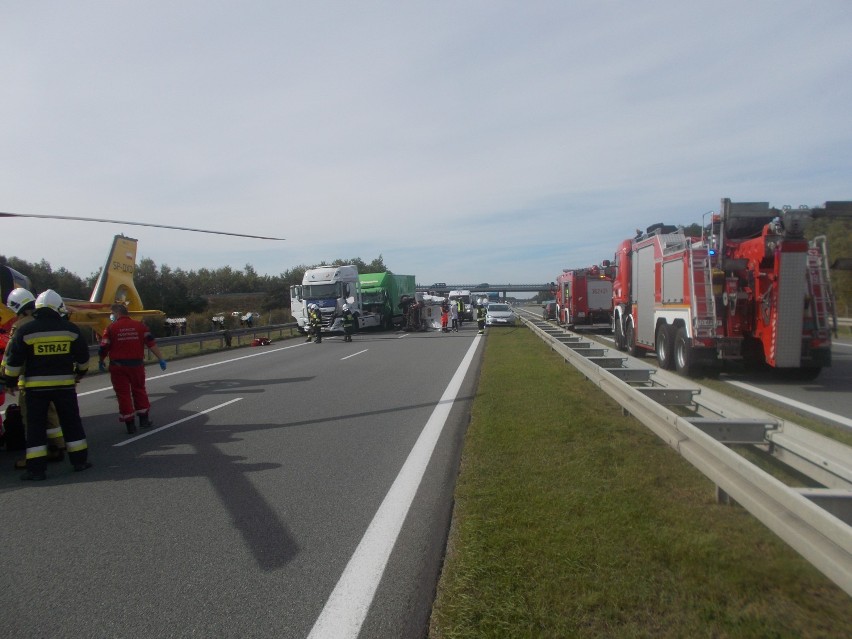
330, 287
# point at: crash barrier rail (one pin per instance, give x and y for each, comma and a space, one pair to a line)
238, 336
824, 539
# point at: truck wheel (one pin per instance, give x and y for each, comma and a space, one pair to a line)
664, 347
630, 342
683, 357
618, 332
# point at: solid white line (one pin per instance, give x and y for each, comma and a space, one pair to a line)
347, 606
198, 368
795, 404
354, 354
403, 335
180, 421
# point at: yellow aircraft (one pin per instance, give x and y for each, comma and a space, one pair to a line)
114, 285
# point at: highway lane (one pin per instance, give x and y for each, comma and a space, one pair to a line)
239, 511
828, 397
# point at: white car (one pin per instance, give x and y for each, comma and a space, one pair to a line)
499, 315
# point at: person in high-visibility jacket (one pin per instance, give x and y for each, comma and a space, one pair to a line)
480, 318
348, 323
22, 302
315, 323
55, 356
124, 341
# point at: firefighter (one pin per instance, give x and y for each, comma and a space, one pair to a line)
124, 341
480, 318
348, 323
315, 320
55, 356
22, 302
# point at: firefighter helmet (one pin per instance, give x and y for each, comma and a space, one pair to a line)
19, 299
52, 300
346, 307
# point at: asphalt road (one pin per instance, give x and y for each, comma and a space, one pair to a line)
281, 489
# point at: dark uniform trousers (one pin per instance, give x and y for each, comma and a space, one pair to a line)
65, 401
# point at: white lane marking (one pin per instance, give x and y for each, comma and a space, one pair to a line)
843, 344
180, 421
795, 404
403, 335
354, 354
198, 368
347, 606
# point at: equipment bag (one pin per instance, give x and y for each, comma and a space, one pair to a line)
15, 438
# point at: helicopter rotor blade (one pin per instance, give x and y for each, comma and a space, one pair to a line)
159, 226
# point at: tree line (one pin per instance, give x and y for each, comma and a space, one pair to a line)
180, 293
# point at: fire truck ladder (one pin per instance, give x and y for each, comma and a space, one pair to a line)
819, 286
703, 303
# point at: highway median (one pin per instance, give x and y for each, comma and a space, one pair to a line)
573, 520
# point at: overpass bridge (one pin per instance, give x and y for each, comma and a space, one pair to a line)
442, 288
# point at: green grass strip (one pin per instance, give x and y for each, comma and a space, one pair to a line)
573, 520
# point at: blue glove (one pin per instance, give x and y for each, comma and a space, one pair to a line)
102, 366
162, 364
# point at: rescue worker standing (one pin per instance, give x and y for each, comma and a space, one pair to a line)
480, 318
55, 356
348, 323
124, 341
22, 302
315, 323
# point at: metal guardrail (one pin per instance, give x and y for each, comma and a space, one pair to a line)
239, 336
844, 321
823, 539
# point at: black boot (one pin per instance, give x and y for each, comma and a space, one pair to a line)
131, 426
145, 422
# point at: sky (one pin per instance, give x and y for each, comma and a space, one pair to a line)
464, 142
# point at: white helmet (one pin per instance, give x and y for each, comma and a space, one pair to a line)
52, 300
346, 307
18, 299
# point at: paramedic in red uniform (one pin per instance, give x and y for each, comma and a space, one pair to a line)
124, 341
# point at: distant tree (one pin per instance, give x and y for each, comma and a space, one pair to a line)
693, 230
42, 277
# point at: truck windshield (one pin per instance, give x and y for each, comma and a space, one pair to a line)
316, 291
376, 297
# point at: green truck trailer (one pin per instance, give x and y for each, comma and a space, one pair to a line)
382, 292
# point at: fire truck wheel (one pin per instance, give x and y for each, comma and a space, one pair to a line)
683, 354
630, 341
619, 336
665, 347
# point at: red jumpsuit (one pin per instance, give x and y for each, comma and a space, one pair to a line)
124, 341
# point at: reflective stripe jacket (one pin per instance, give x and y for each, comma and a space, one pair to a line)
51, 349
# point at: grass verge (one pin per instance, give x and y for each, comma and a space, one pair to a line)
572, 520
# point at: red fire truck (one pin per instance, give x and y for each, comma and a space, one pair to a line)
584, 297
751, 288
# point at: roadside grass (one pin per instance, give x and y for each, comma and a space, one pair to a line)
573, 520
